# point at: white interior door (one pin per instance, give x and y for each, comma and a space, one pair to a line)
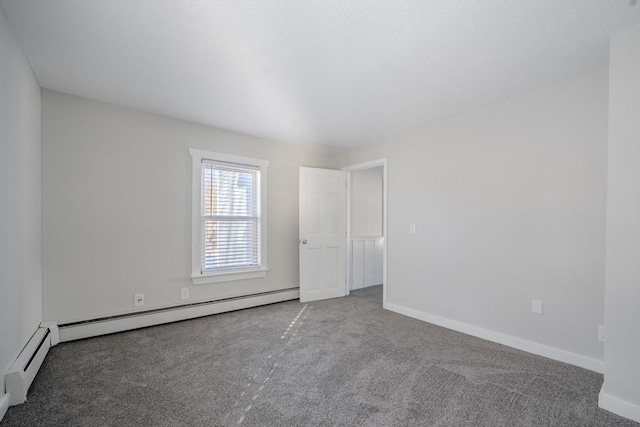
323, 234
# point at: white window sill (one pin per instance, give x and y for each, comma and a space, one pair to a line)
228, 276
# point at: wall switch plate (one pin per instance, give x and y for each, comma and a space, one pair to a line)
412, 228
184, 293
601, 333
138, 300
536, 306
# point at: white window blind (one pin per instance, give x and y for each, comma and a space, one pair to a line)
230, 216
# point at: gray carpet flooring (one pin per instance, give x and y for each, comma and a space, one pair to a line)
341, 362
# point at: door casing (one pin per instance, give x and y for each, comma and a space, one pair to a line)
357, 167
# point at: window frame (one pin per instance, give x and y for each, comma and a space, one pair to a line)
224, 275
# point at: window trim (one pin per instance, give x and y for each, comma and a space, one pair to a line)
197, 277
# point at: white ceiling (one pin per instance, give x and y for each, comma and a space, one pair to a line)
334, 73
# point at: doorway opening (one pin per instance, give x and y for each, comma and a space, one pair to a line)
367, 226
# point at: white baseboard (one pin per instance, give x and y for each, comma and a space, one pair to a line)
143, 320
4, 404
619, 406
504, 339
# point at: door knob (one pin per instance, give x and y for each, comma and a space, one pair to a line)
304, 241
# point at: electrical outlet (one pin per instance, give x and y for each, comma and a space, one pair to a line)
601, 333
412, 228
138, 300
536, 306
184, 293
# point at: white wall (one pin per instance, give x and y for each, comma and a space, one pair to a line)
20, 202
366, 202
117, 208
509, 204
621, 389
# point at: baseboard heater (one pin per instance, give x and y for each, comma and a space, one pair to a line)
19, 377
145, 318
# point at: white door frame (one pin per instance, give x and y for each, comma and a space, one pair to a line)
357, 167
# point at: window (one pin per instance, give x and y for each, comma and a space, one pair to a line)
229, 217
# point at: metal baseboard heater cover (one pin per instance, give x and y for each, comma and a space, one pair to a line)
157, 316
19, 377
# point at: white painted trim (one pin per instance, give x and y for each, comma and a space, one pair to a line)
385, 173
228, 276
4, 404
196, 183
229, 158
143, 320
366, 237
619, 406
385, 251
500, 338
348, 262
366, 165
